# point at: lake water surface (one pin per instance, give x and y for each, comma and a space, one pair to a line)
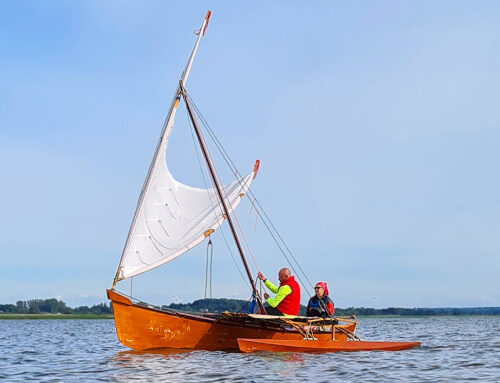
453, 349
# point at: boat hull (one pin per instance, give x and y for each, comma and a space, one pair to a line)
142, 328
280, 345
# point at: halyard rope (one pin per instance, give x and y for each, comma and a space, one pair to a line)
269, 225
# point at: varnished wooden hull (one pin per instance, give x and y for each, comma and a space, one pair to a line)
142, 328
273, 345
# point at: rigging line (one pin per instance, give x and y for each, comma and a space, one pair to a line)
231, 208
203, 174
245, 239
242, 234
206, 276
256, 220
211, 262
279, 236
226, 197
245, 305
210, 254
204, 149
250, 192
232, 166
267, 223
234, 260
213, 207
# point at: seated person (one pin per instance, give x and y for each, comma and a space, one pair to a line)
287, 299
320, 305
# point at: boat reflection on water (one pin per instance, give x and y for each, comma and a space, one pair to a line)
127, 355
290, 357
133, 356
168, 364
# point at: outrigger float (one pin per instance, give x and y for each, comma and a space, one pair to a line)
308, 345
348, 341
172, 218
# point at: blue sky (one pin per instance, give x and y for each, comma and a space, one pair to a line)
377, 124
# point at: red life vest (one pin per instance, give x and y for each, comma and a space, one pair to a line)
290, 305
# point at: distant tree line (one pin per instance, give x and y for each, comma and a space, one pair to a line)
418, 311
212, 305
218, 305
52, 306
237, 305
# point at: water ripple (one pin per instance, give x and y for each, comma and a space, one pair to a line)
453, 349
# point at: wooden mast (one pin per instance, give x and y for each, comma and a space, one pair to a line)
219, 192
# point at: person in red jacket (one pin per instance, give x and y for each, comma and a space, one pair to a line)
287, 299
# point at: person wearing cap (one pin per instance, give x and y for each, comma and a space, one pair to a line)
320, 305
287, 299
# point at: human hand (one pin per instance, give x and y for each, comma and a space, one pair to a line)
266, 295
261, 276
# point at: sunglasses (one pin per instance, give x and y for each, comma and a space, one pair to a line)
319, 287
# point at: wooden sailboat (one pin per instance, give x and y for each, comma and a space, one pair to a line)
170, 219
141, 326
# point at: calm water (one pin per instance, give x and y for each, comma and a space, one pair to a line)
453, 349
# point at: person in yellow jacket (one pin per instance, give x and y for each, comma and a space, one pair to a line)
287, 299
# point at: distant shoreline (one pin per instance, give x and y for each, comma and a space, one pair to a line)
109, 317
53, 316
56, 309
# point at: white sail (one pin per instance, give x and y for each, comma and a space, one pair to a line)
174, 218
170, 217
